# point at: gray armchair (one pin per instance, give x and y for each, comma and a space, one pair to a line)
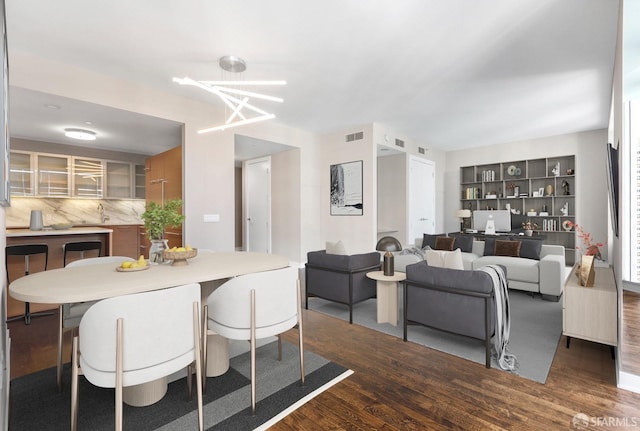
340, 278
457, 301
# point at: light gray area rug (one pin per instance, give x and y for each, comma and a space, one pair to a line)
536, 327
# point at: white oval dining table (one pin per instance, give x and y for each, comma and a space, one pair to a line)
100, 281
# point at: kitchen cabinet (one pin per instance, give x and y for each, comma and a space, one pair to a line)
125, 240
47, 175
118, 180
21, 174
53, 174
163, 182
163, 176
88, 177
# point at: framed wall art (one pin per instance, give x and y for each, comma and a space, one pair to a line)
346, 188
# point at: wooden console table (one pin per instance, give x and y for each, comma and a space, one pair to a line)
591, 313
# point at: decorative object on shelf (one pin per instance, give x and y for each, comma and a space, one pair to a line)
565, 209
591, 248
532, 213
586, 272
518, 172
462, 214
529, 227
543, 213
556, 170
536, 194
388, 244
511, 170
565, 187
157, 219
549, 190
567, 225
570, 171
541, 191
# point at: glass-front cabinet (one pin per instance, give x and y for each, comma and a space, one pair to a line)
21, 174
53, 175
88, 178
118, 180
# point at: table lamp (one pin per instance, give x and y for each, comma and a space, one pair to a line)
462, 214
388, 244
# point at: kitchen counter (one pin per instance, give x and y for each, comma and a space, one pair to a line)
15, 233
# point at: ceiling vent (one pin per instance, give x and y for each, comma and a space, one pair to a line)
355, 136
399, 143
421, 150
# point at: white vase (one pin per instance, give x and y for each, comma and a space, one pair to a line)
528, 232
156, 252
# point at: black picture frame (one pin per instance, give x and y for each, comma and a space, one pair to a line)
345, 189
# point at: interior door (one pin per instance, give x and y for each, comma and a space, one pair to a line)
422, 198
257, 208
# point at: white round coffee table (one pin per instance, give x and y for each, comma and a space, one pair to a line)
387, 295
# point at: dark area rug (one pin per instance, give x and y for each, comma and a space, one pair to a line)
36, 405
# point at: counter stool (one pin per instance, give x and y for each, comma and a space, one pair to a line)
81, 247
27, 250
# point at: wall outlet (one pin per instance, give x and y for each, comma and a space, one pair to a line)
211, 218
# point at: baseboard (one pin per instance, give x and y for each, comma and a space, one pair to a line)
629, 382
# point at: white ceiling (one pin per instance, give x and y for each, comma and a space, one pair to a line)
447, 74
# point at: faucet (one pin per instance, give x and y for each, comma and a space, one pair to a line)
103, 217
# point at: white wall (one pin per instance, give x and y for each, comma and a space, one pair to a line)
589, 149
285, 204
358, 233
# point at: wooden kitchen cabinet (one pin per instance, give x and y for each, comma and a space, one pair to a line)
125, 240
163, 176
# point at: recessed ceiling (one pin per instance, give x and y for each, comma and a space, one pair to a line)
446, 75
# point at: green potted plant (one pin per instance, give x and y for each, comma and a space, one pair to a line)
157, 219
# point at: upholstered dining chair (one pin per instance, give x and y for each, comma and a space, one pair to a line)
128, 340
81, 247
26, 251
69, 315
256, 306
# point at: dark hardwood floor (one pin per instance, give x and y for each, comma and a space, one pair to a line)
405, 386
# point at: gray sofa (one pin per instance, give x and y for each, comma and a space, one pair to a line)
545, 276
457, 301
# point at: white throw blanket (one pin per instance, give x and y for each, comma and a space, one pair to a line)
506, 361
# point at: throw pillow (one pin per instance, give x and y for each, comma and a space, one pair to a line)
445, 259
507, 248
530, 248
430, 240
489, 246
335, 248
444, 243
464, 243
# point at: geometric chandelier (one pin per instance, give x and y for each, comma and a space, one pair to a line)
236, 99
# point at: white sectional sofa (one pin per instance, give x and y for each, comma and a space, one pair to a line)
545, 276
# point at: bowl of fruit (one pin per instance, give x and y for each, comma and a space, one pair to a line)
133, 265
179, 255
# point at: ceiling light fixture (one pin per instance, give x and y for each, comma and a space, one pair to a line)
236, 105
82, 134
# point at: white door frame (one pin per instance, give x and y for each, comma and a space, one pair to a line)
410, 205
246, 202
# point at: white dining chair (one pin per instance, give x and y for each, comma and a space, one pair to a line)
128, 340
69, 315
255, 306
